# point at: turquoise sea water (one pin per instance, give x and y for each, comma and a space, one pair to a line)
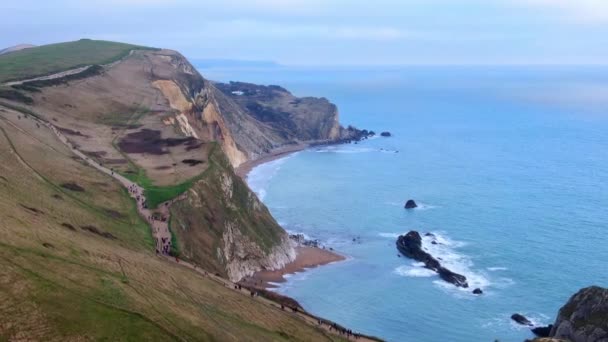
509, 164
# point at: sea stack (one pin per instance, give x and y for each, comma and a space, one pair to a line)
410, 204
410, 245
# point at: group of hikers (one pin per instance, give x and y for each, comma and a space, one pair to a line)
342, 331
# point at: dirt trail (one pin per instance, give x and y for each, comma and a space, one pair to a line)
157, 219
160, 231
50, 77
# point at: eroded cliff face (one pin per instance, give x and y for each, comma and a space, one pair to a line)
223, 226
247, 120
584, 318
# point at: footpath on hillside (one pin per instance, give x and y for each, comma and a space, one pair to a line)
158, 220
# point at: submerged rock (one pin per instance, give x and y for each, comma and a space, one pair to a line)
410, 204
477, 291
410, 245
542, 331
521, 319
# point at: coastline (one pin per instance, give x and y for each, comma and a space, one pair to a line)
306, 258
244, 169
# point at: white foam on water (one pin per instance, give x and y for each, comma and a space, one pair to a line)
293, 232
414, 271
259, 177
389, 235
446, 252
497, 268
421, 206
344, 149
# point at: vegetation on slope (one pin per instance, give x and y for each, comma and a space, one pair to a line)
219, 200
61, 280
53, 58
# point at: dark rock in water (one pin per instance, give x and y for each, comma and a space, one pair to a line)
453, 277
410, 204
542, 331
521, 319
429, 234
434, 242
477, 291
410, 245
385, 134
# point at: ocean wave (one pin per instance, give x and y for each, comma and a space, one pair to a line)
445, 250
414, 271
344, 149
421, 206
259, 177
293, 232
390, 235
497, 268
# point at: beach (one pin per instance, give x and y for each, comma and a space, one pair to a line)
307, 257
244, 169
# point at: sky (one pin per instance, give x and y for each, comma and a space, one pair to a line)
328, 32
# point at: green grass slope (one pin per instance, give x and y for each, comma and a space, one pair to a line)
49, 59
77, 262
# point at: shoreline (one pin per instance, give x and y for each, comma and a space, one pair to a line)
244, 169
306, 258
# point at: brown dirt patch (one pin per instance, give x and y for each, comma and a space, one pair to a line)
99, 232
31, 209
114, 214
68, 226
95, 154
192, 162
150, 141
72, 186
71, 132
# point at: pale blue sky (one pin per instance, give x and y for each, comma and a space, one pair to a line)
329, 32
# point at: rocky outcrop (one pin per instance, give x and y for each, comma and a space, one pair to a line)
410, 204
410, 245
584, 318
478, 291
385, 134
521, 319
222, 225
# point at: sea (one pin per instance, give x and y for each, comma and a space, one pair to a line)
509, 166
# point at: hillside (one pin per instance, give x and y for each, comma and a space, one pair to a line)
79, 261
48, 59
16, 48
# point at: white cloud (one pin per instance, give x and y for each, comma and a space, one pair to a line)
588, 10
248, 28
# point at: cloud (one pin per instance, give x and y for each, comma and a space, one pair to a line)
249, 28
586, 10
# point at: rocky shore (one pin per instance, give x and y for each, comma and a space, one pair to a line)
306, 258
410, 245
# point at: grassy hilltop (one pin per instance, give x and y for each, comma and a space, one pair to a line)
53, 58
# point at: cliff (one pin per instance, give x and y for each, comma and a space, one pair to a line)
584, 318
224, 227
78, 258
152, 117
